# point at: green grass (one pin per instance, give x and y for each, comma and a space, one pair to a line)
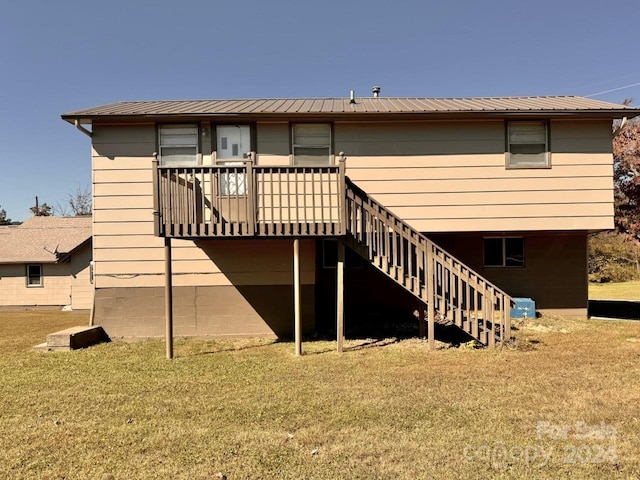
251, 409
615, 291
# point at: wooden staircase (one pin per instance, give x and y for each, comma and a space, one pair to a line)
452, 292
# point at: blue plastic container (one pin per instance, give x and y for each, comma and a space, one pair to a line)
523, 308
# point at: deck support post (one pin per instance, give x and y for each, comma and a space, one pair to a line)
340, 297
168, 298
431, 298
296, 296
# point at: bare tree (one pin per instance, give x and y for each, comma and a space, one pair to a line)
77, 202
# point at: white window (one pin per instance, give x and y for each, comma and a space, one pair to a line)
528, 145
311, 144
504, 252
178, 145
34, 275
233, 144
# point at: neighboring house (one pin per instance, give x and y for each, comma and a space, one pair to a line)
246, 189
46, 261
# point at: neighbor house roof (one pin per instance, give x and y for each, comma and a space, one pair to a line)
43, 239
366, 106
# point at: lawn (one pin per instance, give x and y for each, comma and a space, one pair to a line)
615, 291
562, 401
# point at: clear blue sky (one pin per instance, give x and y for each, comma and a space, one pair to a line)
59, 56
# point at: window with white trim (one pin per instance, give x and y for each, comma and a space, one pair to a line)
311, 143
528, 145
34, 275
178, 145
504, 252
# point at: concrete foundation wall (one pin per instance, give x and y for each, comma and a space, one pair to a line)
244, 310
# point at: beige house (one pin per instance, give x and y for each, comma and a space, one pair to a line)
46, 261
239, 211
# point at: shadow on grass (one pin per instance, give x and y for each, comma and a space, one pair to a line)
361, 333
250, 345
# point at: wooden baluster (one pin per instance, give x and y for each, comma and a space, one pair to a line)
431, 297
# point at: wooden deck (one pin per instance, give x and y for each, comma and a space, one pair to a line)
248, 200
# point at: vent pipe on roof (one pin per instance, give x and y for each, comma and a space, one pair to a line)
352, 96
376, 92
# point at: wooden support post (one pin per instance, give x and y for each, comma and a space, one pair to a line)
431, 298
168, 298
156, 196
251, 196
296, 296
340, 297
343, 194
506, 316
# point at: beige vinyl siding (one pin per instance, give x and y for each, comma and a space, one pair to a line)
451, 176
126, 252
55, 289
81, 286
273, 144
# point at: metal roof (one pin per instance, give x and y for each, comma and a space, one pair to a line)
43, 239
364, 106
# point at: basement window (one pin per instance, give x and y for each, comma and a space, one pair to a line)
528, 145
504, 252
34, 275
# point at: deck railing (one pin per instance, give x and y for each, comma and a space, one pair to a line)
247, 199
453, 291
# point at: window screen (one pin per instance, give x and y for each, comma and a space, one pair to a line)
311, 144
528, 144
178, 145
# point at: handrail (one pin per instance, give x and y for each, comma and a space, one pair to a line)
248, 200
451, 289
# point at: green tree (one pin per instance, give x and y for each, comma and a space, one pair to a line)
41, 210
3, 217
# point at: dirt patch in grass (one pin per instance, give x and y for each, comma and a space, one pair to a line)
383, 409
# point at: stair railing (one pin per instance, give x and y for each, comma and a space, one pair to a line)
453, 292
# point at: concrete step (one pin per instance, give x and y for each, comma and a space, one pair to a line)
74, 338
